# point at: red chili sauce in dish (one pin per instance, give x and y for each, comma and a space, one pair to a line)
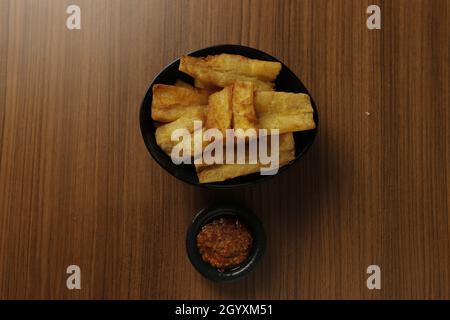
224, 243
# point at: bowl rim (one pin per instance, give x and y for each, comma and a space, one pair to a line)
225, 184
210, 214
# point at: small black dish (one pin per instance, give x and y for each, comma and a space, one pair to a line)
286, 81
206, 216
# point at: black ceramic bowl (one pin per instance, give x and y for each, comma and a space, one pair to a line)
208, 215
286, 81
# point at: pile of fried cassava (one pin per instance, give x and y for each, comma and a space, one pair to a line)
230, 92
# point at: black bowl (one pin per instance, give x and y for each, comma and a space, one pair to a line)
286, 81
208, 215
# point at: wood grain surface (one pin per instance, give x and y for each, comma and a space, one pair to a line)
77, 185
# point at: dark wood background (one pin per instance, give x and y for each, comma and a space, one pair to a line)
78, 186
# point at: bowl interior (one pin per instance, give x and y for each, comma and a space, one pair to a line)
286, 81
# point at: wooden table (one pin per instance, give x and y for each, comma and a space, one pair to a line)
79, 187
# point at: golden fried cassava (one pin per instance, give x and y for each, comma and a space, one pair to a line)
288, 112
224, 69
244, 116
170, 102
